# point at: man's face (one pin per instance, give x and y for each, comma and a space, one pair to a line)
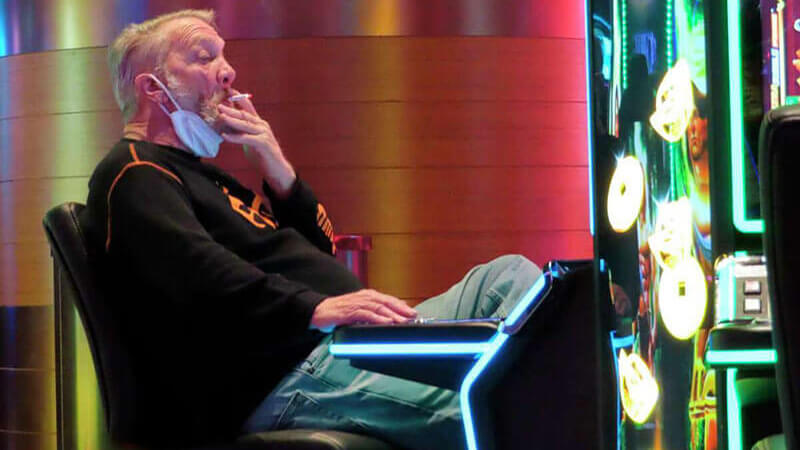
196, 71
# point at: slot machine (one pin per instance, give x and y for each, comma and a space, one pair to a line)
677, 91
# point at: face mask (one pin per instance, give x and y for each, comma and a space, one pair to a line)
195, 133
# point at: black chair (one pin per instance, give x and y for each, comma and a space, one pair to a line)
779, 162
127, 405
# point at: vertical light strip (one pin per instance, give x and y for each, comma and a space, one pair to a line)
3, 46
589, 108
734, 414
466, 387
668, 34
624, 52
738, 178
493, 347
726, 291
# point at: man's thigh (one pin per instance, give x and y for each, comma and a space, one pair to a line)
487, 290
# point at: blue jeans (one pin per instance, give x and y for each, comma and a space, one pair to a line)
327, 393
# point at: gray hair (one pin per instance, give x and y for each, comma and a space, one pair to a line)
140, 47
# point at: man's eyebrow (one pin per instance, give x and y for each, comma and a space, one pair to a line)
204, 40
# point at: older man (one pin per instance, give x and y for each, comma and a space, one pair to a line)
227, 293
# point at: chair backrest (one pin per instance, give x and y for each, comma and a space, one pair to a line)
77, 282
779, 162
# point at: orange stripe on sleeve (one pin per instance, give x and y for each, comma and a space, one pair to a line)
133, 152
130, 165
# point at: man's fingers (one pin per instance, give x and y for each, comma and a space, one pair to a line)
386, 311
241, 114
241, 138
363, 315
240, 124
396, 305
247, 105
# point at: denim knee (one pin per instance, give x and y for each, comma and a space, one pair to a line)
510, 261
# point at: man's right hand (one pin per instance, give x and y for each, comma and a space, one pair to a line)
364, 306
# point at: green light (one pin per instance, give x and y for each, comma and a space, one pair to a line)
624, 15
668, 33
740, 220
760, 356
734, 414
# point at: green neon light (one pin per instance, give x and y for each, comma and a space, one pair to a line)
734, 414
669, 33
760, 356
740, 220
624, 52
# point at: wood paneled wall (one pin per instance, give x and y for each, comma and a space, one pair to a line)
447, 151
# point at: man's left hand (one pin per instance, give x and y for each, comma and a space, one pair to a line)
260, 145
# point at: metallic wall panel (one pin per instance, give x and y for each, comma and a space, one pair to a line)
10, 440
320, 71
442, 259
28, 396
26, 337
39, 25
24, 202
331, 134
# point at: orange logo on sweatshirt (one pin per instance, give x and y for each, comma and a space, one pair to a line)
251, 214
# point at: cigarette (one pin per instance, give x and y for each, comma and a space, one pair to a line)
238, 97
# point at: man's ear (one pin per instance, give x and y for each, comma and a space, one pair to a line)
149, 89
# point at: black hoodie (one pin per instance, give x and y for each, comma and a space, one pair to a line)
213, 284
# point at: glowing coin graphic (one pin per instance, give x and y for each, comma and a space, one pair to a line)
674, 103
682, 298
672, 240
638, 389
625, 194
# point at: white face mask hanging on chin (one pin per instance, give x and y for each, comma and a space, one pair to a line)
192, 130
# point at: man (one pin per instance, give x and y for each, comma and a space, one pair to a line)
227, 294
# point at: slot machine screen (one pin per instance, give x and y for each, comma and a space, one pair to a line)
649, 116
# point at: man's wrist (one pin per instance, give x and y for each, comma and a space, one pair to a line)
281, 183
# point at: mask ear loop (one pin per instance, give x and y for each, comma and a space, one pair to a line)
166, 91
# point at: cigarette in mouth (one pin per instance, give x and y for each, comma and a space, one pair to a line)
238, 97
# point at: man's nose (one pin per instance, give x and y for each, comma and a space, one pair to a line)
226, 75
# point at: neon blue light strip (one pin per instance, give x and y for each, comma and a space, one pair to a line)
618, 343
391, 349
493, 348
3, 46
589, 126
736, 118
485, 350
761, 356
734, 415
466, 387
526, 300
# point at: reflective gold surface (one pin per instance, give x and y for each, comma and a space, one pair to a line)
38, 25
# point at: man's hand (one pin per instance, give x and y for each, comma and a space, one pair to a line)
260, 145
364, 306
